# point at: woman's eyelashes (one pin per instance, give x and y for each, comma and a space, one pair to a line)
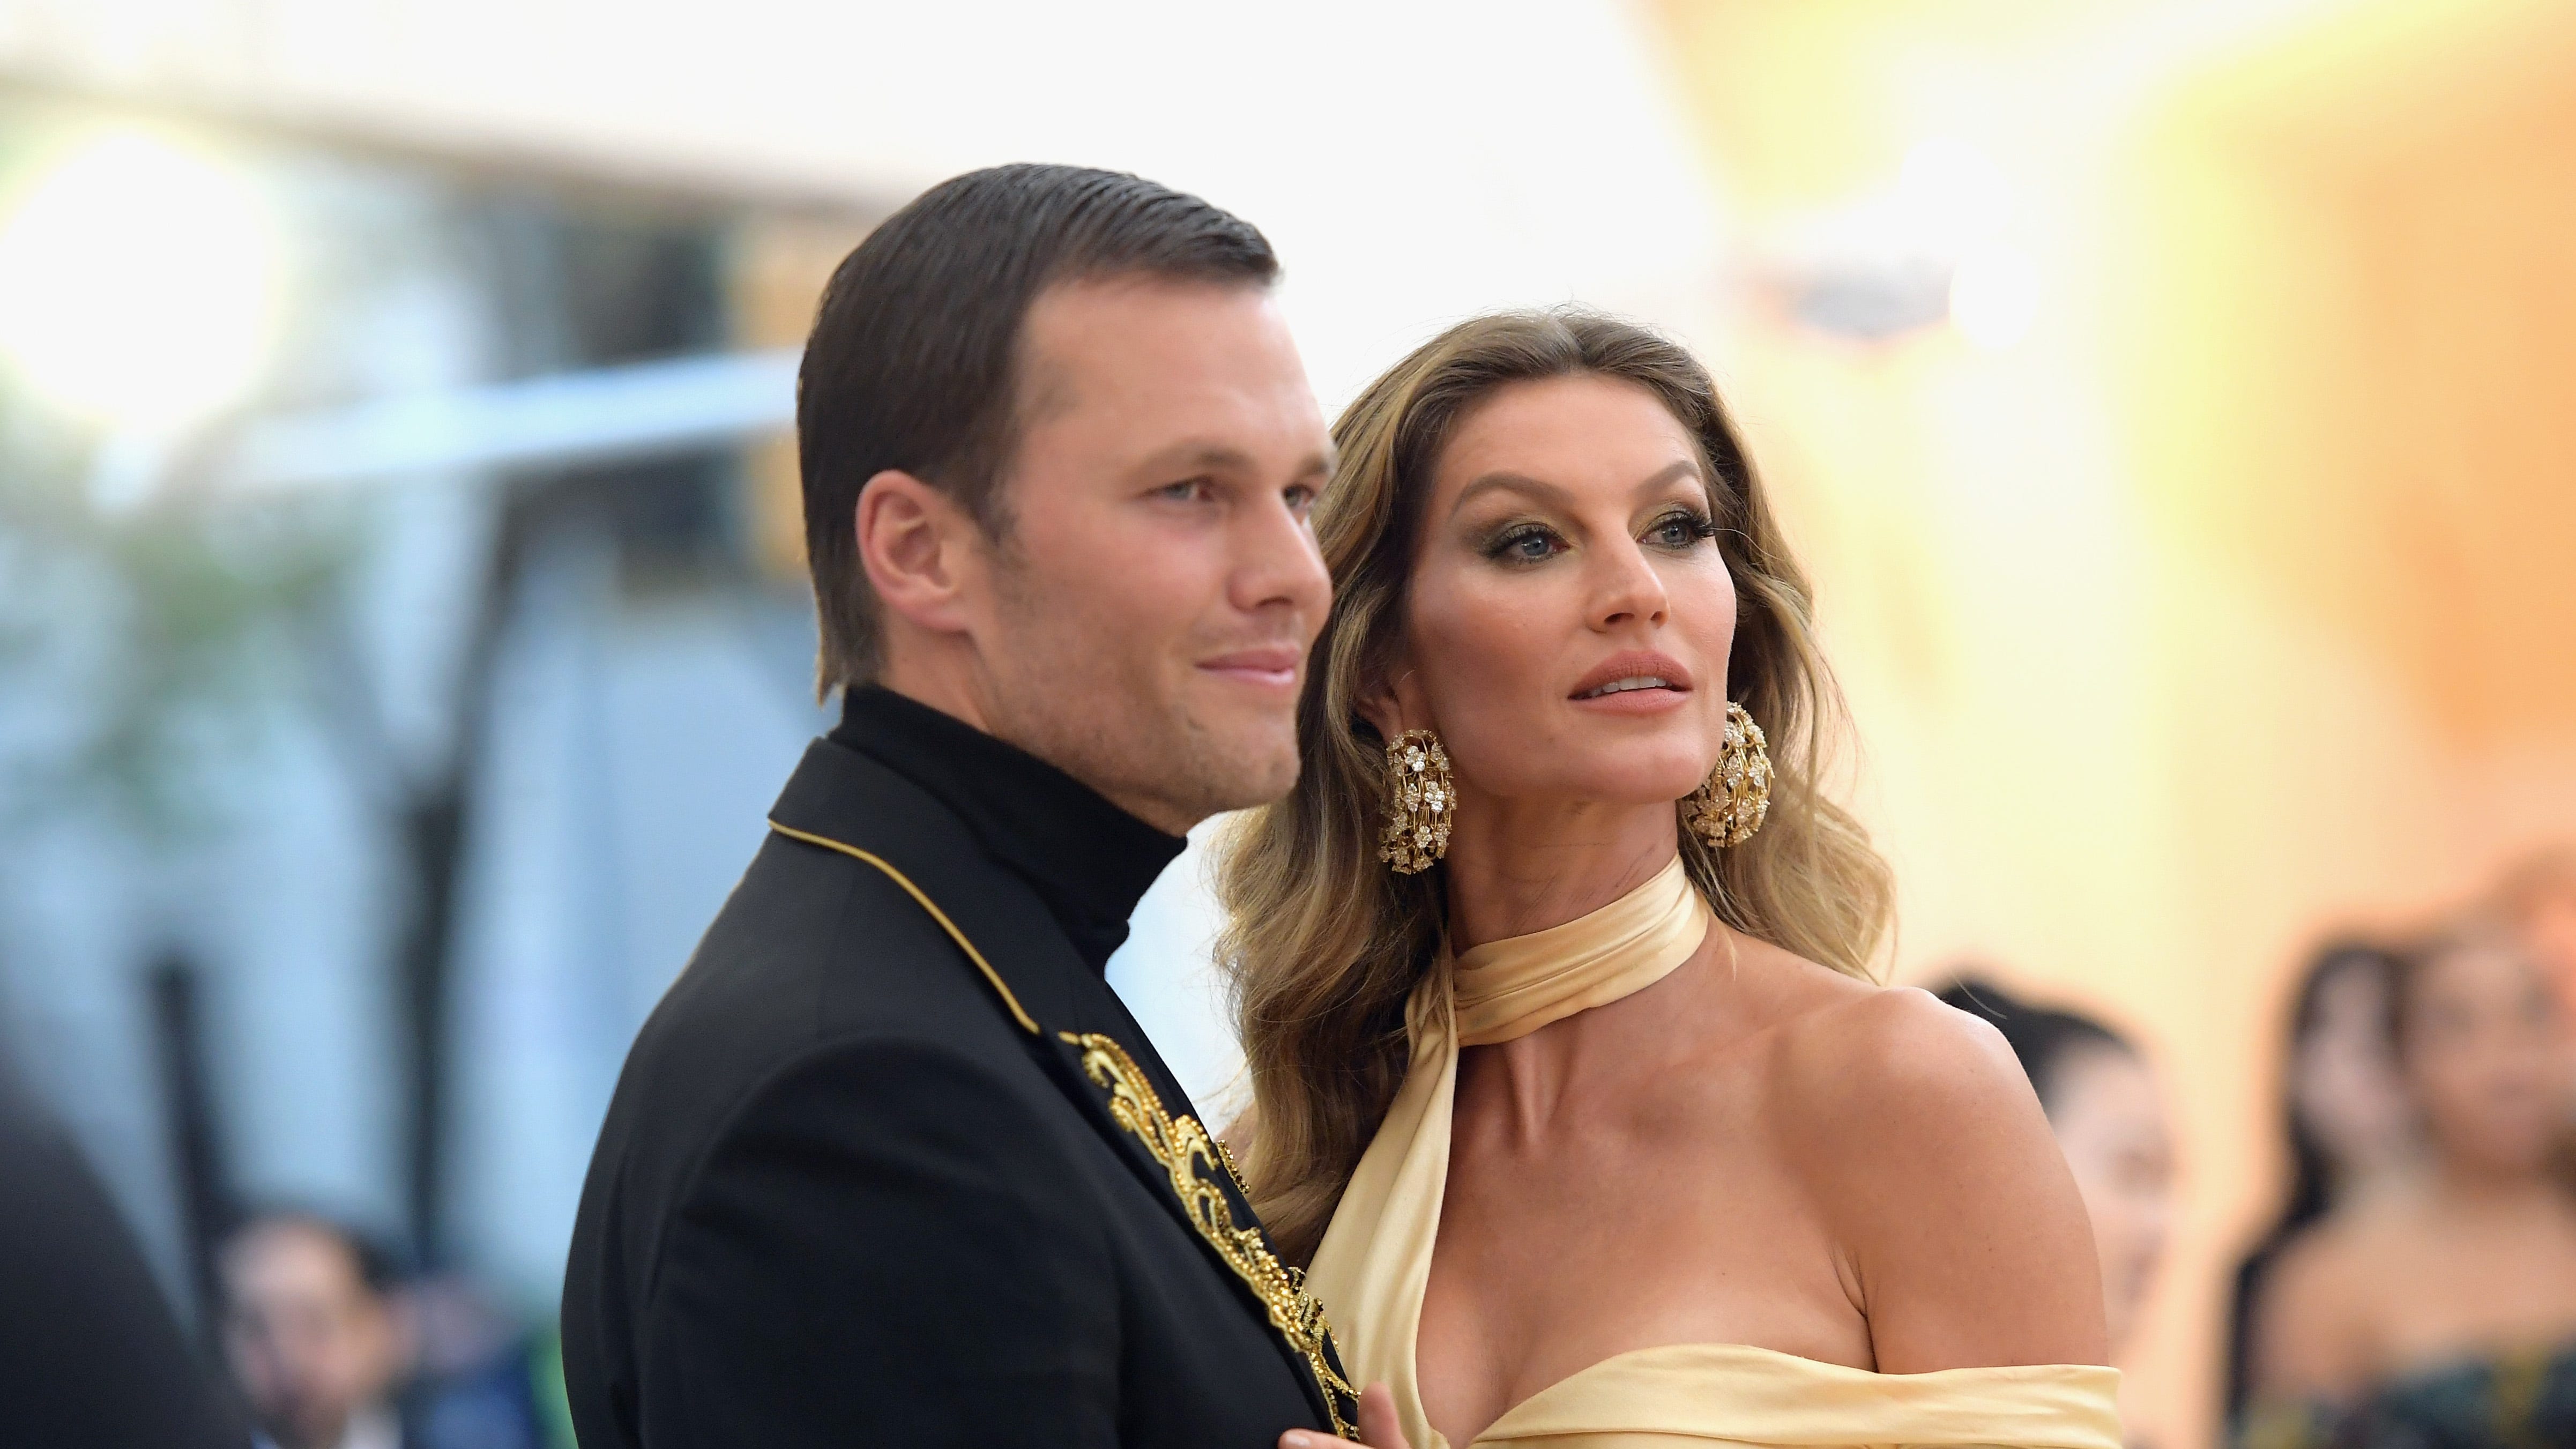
1681, 529
1528, 541
1524, 542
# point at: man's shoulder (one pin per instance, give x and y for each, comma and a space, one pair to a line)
845, 938
814, 958
811, 949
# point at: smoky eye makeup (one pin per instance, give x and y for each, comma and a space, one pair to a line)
1519, 541
1681, 526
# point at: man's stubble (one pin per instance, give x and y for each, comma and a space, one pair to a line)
1070, 687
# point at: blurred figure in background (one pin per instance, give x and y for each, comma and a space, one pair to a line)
90, 1355
333, 1349
2350, 1128
313, 1328
2108, 1115
2443, 1311
2539, 897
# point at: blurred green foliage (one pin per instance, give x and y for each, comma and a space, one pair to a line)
143, 648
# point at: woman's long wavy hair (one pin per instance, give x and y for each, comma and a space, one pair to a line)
1322, 944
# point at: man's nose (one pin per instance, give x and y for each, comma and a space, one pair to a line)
1278, 565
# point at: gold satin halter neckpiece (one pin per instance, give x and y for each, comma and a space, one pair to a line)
1422, 798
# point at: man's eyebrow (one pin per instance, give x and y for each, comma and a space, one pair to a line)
1208, 453
1195, 453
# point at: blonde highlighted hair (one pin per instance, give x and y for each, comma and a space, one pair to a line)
1323, 945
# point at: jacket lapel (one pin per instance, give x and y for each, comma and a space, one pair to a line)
842, 801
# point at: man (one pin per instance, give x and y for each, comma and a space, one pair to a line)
90, 1357
891, 1164
328, 1343
311, 1328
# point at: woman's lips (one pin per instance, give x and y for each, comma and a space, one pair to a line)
1633, 664
1653, 683
1634, 701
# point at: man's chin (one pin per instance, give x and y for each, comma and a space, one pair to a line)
1263, 784
1235, 773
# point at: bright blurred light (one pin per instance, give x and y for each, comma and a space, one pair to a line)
1953, 194
139, 284
1994, 296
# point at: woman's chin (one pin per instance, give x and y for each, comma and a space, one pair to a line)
1627, 789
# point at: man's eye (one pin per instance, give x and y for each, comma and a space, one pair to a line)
1300, 499
1188, 491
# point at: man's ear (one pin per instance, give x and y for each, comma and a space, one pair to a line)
922, 552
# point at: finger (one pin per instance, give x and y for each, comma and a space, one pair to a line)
1379, 1428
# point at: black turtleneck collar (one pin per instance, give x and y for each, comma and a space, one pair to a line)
1088, 860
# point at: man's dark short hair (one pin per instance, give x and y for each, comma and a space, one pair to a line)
913, 362
379, 1267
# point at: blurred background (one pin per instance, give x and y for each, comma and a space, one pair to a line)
402, 620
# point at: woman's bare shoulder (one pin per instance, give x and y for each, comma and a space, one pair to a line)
1869, 1055
1929, 1157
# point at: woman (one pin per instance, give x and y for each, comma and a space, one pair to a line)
2444, 1311
2350, 1130
2108, 1116
1570, 1082
2538, 894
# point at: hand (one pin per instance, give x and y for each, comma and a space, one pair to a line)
1378, 1428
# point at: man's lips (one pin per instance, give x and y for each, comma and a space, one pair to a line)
1274, 665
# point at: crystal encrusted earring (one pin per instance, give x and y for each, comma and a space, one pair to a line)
1729, 805
1419, 799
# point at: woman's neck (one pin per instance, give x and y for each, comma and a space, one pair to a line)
2490, 1190
1515, 867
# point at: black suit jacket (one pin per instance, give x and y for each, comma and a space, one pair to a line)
890, 1164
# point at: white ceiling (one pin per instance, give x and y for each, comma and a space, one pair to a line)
1413, 161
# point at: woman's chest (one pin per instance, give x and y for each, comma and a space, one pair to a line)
1552, 1257
2448, 1300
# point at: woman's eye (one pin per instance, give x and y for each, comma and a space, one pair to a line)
1681, 530
1524, 545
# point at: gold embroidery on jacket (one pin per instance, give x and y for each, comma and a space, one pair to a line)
1179, 1146
1190, 1155
1233, 1169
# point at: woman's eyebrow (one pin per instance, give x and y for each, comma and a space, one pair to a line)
1668, 474
1506, 481
1510, 482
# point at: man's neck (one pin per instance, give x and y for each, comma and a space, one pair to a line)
944, 687
964, 697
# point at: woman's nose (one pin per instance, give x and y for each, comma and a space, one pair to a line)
1630, 589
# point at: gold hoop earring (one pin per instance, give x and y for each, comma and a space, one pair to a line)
1419, 798
1730, 804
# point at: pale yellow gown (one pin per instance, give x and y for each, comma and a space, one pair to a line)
1375, 1259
